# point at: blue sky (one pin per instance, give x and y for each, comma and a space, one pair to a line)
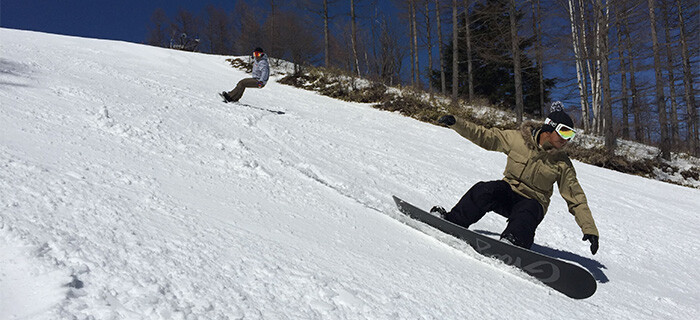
119, 20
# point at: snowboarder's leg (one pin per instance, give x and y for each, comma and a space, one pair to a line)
524, 218
481, 198
237, 93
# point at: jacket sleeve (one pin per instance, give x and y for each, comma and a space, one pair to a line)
493, 139
571, 191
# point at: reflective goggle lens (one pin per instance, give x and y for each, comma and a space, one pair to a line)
562, 130
565, 132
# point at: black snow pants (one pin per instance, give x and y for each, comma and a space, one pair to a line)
524, 215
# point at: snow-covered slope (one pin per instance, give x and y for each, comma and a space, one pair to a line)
128, 190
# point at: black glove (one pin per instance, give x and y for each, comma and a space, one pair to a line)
447, 120
594, 242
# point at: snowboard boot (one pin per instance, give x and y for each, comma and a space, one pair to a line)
226, 97
509, 237
440, 211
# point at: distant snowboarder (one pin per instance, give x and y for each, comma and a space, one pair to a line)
261, 73
535, 163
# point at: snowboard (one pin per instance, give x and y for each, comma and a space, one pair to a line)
567, 278
221, 94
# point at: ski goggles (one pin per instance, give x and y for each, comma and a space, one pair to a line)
564, 131
257, 54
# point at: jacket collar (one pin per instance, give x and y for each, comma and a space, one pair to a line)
530, 131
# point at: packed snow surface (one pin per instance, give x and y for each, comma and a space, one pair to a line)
128, 190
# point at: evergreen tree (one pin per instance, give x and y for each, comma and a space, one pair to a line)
492, 60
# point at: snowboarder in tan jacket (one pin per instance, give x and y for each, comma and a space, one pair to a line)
535, 163
261, 73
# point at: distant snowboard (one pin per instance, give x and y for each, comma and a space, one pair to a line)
221, 94
567, 278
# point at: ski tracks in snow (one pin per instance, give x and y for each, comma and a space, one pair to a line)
95, 223
128, 190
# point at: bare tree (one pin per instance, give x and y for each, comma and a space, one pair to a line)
689, 92
602, 12
429, 41
634, 88
156, 32
455, 53
411, 47
251, 33
660, 97
299, 44
185, 31
578, 44
321, 10
217, 30
414, 43
468, 42
591, 52
577, 41
326, 36
353, 38
517, 71
593, 66
273, 35
443, 85
537, 31
621, 47
675, 134
391, 55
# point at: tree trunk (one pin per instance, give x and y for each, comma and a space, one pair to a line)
603, 15
515, 42
411, 30
660, 98
429, 41
537, 30
326, 36
468, 40
675, 134
443, 85
455, 53
273, 40
415, 44
596, 82
624, 92
592, 73
577, 43
636, 105
691, 107
354, 37
585, 56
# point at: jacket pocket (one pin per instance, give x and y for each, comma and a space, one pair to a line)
516, 165
545, 177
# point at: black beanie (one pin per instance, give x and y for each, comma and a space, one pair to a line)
258, 49
558, 116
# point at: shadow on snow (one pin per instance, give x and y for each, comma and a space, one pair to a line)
593, 266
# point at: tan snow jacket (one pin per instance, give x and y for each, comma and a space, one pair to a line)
531, 169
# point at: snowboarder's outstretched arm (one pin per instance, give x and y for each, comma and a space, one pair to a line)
493, 139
